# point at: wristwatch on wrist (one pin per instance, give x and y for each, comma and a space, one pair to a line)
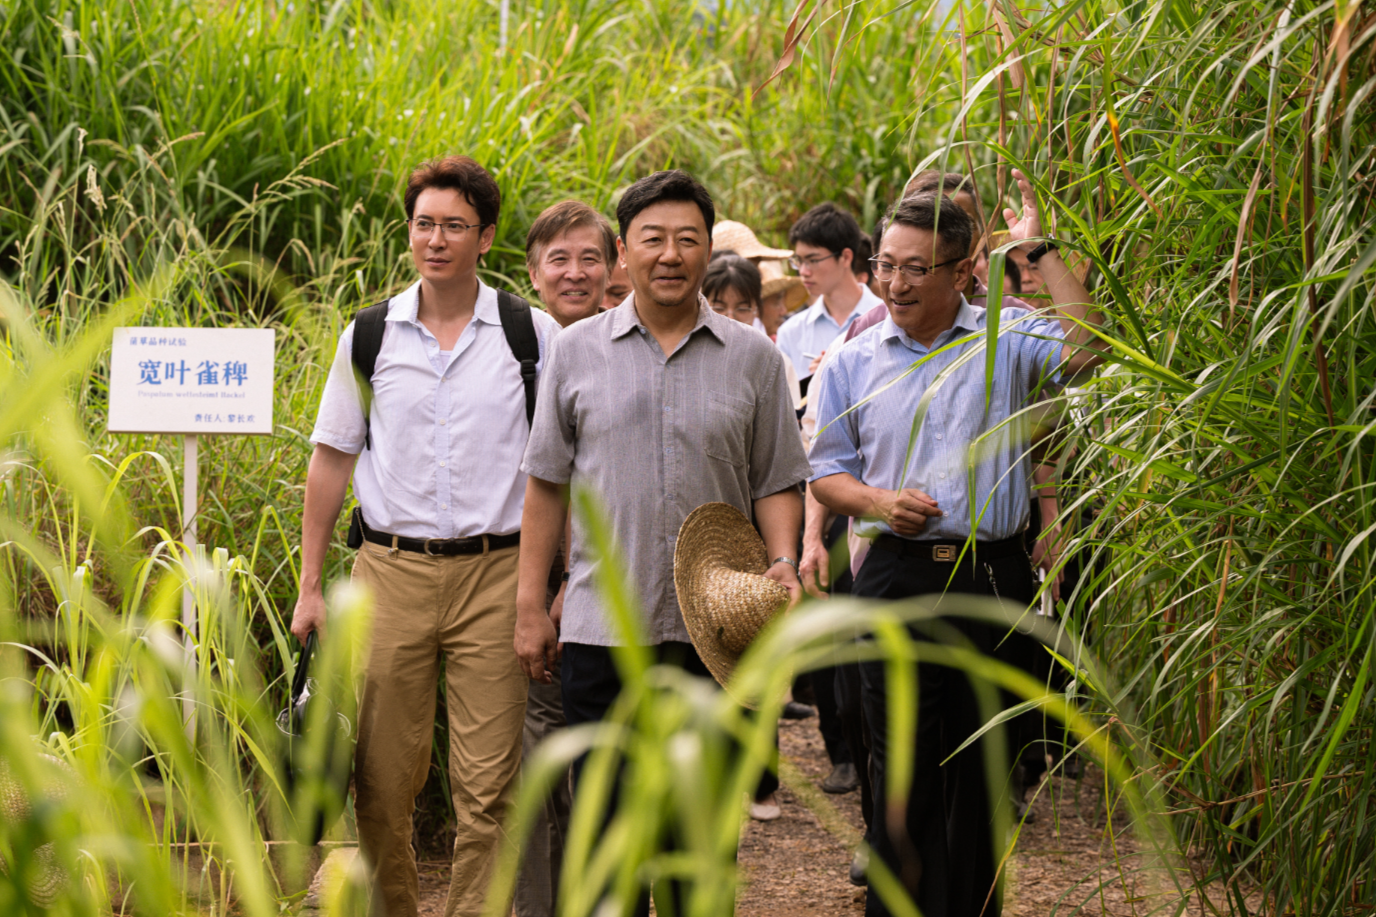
785, 560
1035, 254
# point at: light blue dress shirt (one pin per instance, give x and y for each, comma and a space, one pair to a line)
812, 330
957, 446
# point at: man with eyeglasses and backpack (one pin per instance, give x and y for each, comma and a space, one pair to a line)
427, 407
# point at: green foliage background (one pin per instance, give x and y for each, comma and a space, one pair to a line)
170, 162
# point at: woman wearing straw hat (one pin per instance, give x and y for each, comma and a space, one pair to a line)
780, 293
733, 286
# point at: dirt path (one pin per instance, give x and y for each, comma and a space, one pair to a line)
1067, 858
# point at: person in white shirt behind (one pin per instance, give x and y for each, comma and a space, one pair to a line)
825, 243
435, 465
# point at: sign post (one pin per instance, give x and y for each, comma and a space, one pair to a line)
192, 381
191, 473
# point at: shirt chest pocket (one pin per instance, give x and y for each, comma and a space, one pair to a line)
727, 428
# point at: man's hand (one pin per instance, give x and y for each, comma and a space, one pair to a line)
815, 362
783, 574
327, 480
1046, 553
815, 567
1029, 225
537, 644
906, 511
309, 614
556, 608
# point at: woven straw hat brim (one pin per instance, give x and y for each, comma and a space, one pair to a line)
719, 565
776, 281
728, 235
792, 287
45, 878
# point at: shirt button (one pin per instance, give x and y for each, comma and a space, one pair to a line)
444, 506
938, 436
942, 475
441, 464
443, 421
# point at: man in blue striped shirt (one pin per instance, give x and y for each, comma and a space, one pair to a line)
905, 455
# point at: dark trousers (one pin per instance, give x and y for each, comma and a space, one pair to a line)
942, 849
851, 712
591, 684
839, 723
829, 721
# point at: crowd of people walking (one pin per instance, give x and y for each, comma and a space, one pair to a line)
674, 362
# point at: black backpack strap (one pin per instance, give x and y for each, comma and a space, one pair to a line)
369, 325
519, 328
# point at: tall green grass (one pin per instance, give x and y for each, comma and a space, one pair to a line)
195, 163
1214, 162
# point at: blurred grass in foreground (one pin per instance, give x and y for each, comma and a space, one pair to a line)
1215, 163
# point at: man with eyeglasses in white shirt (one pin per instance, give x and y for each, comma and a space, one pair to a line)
825, 243
434, 454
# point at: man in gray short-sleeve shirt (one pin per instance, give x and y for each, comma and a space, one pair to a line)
654, 437
656, 406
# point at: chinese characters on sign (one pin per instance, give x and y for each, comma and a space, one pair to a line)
191, 380
207, 372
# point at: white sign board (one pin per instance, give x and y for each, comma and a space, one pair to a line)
191, 380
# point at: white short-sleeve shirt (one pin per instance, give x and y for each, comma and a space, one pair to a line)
448, 429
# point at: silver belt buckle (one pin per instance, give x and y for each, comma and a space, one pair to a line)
428, 552
944, 553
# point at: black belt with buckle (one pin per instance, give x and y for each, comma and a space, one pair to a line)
442, 547
947, 552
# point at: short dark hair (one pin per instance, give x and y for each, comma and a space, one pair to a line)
952, 183
937, 213
732, 272
1012, 276
827, 226
860, 263
563, 217
671, 185
462, 174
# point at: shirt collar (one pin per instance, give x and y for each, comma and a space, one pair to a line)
968, 318
405, 306
626, 319
818, 310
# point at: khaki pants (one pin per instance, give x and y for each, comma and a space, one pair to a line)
464, 608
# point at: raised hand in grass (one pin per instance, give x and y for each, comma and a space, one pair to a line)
1028, 225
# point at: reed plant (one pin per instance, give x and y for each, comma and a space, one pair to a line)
1214, 164
192, 163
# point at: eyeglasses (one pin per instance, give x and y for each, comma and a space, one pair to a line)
422, 228
741, 311
799, 263
911, 272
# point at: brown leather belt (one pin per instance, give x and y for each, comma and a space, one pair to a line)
443, 547
947, 552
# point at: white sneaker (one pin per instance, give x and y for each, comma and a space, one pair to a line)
767, 809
